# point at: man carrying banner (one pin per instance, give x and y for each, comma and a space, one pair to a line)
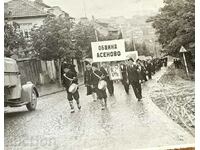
134, 79
87, 80
104, 70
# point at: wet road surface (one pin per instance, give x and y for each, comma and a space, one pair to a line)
126, 124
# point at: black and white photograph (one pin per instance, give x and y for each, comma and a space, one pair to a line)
99, 75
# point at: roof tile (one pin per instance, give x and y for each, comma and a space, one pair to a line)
22, 8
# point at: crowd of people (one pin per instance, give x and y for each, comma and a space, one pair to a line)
97, 79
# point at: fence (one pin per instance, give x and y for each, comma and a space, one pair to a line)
30, 70
40, 72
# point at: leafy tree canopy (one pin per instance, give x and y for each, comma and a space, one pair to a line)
84, 34
175, 25
140, 47
52, 40
13, 38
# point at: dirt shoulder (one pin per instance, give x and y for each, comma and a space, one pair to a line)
176, 97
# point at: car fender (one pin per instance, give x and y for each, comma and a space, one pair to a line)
27, 89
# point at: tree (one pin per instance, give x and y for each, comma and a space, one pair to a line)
140, 47
52, 40
84, 34
143, 50
13, 39
131, 46
175, 26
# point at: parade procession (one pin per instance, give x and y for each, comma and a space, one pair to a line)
99, 75
108, 68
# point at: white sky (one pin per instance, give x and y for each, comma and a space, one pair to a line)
106, 8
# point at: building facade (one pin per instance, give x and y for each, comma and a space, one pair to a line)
29, 13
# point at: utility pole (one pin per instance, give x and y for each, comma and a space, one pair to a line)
96, 34
84, 8
134, 45
133, 41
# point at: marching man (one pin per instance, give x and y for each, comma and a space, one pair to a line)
70, 82
87, 80
97, 77
134, 78
104, 70
124, 80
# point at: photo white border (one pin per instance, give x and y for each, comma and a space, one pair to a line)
2, 74
197, 73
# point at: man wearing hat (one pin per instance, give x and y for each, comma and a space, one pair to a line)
69, 78
134, 78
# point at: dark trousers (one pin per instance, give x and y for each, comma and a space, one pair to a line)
101, 94
110, 87
126, 86
137, 89
149, 75
70, 97
165, 64
75, 95
90, 90
144, 76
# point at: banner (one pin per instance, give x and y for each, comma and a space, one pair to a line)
115, 72
108, 50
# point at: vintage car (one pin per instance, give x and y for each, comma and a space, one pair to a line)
15, 94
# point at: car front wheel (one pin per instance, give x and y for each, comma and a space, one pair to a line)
32, 105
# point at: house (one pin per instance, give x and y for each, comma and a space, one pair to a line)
29, 13
106, 30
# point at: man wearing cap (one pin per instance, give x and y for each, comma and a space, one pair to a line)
70, 77
134, 78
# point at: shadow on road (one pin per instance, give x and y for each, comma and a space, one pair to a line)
17, 114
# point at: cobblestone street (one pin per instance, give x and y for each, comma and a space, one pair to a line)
126, 124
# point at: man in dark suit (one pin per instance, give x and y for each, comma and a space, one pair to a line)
124, 80
87, 80
104, 70
134, 79
149, 69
